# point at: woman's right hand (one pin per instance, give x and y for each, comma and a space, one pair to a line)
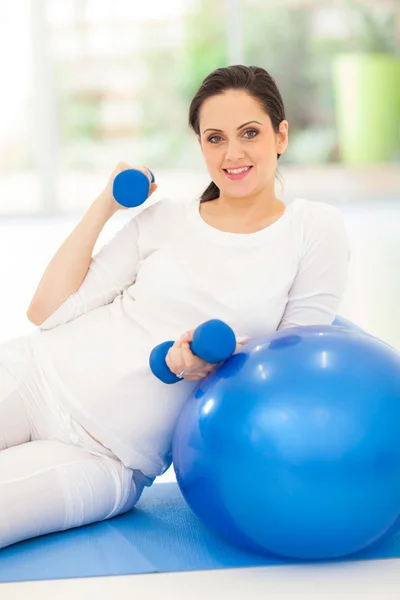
107, 193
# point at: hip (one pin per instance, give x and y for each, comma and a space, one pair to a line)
43, 402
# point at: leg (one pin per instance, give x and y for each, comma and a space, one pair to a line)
28, 408
48, 486
15, 426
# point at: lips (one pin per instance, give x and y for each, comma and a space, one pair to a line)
235, 176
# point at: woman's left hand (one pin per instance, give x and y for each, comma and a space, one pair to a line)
180, 358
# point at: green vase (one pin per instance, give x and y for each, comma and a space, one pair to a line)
367, 97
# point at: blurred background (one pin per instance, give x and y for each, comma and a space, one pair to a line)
88, 83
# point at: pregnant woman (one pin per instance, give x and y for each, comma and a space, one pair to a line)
84, 423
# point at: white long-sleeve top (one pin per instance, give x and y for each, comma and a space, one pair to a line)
167, 271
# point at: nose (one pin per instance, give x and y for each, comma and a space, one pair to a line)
234, 151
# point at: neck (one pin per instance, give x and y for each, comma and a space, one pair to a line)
260, 203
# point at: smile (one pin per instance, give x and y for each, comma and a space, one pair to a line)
237, 173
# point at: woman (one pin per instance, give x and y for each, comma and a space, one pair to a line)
84, 424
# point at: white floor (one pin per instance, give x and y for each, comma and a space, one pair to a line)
347, 581
372, 300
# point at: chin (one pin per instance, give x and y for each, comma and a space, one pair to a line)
239, 193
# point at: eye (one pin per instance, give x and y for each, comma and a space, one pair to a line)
252, 131
255, 131
212, 137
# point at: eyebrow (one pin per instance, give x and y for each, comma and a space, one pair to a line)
240, 126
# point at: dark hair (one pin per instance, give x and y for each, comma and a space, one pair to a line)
255, 81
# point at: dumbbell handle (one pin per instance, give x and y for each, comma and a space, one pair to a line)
213, 341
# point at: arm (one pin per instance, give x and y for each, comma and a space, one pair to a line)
74, 281
69, 266
321, 279
112, 270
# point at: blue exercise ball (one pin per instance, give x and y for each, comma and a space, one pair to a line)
291, 447
342, 322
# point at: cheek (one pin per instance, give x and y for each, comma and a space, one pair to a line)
265, 149
213, 159
210, 154
266, 156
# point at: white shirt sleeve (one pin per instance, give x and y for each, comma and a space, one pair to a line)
321, 279
112, 270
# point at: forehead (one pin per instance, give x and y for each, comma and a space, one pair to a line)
230, 109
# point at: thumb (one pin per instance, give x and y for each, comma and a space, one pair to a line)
188, 335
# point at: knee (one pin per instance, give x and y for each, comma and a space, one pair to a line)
128, 488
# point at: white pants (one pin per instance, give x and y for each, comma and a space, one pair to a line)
53, 474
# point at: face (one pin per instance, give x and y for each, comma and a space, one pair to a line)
234, 144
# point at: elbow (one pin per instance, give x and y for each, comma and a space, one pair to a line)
48, 317
34, 316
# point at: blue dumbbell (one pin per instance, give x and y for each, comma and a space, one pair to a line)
131, 187
213, 341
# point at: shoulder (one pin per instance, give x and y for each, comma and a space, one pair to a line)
161, 212
317, 217
313, 211
321, 229
160, 222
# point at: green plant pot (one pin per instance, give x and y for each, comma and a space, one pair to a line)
367, 97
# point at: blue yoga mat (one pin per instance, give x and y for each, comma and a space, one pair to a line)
160, 535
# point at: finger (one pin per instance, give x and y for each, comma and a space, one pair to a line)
123, 166
146, 171
178, 343
174, 360
169, 362
186, 337
189, 377
195, 376
204, 374
191, 361
153, 188
189, 335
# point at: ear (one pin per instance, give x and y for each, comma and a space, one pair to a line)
282, 137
